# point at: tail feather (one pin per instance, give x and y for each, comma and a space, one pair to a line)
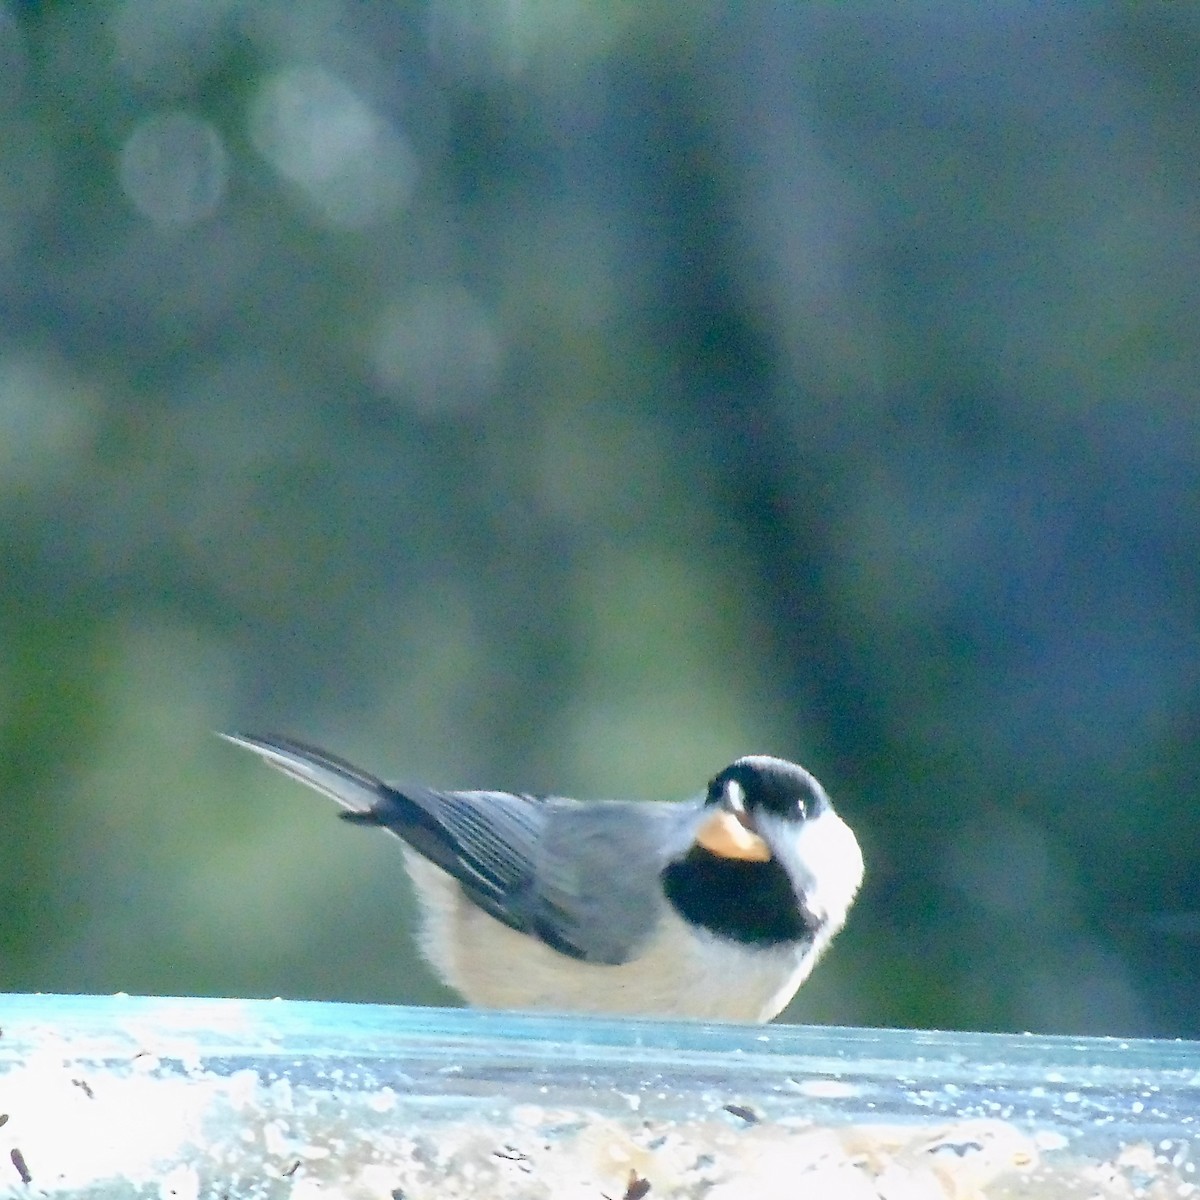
411, 814
356, 791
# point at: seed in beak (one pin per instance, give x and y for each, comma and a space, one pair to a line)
725, 835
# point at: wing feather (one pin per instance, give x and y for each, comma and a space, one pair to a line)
583, 878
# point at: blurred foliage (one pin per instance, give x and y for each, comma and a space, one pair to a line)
574, 397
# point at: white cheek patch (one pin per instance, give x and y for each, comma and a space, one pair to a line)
823, 857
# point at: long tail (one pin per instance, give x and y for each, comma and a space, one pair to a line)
355, 790
410, 815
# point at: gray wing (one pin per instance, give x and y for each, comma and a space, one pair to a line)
598, 893
583, 878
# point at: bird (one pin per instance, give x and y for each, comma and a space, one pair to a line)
714, 908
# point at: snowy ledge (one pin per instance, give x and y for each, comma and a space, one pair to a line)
132, 1096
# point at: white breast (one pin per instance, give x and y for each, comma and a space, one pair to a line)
682, 972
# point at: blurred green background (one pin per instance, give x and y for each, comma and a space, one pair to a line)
573, 397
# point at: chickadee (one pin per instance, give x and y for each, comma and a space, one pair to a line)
713, 908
